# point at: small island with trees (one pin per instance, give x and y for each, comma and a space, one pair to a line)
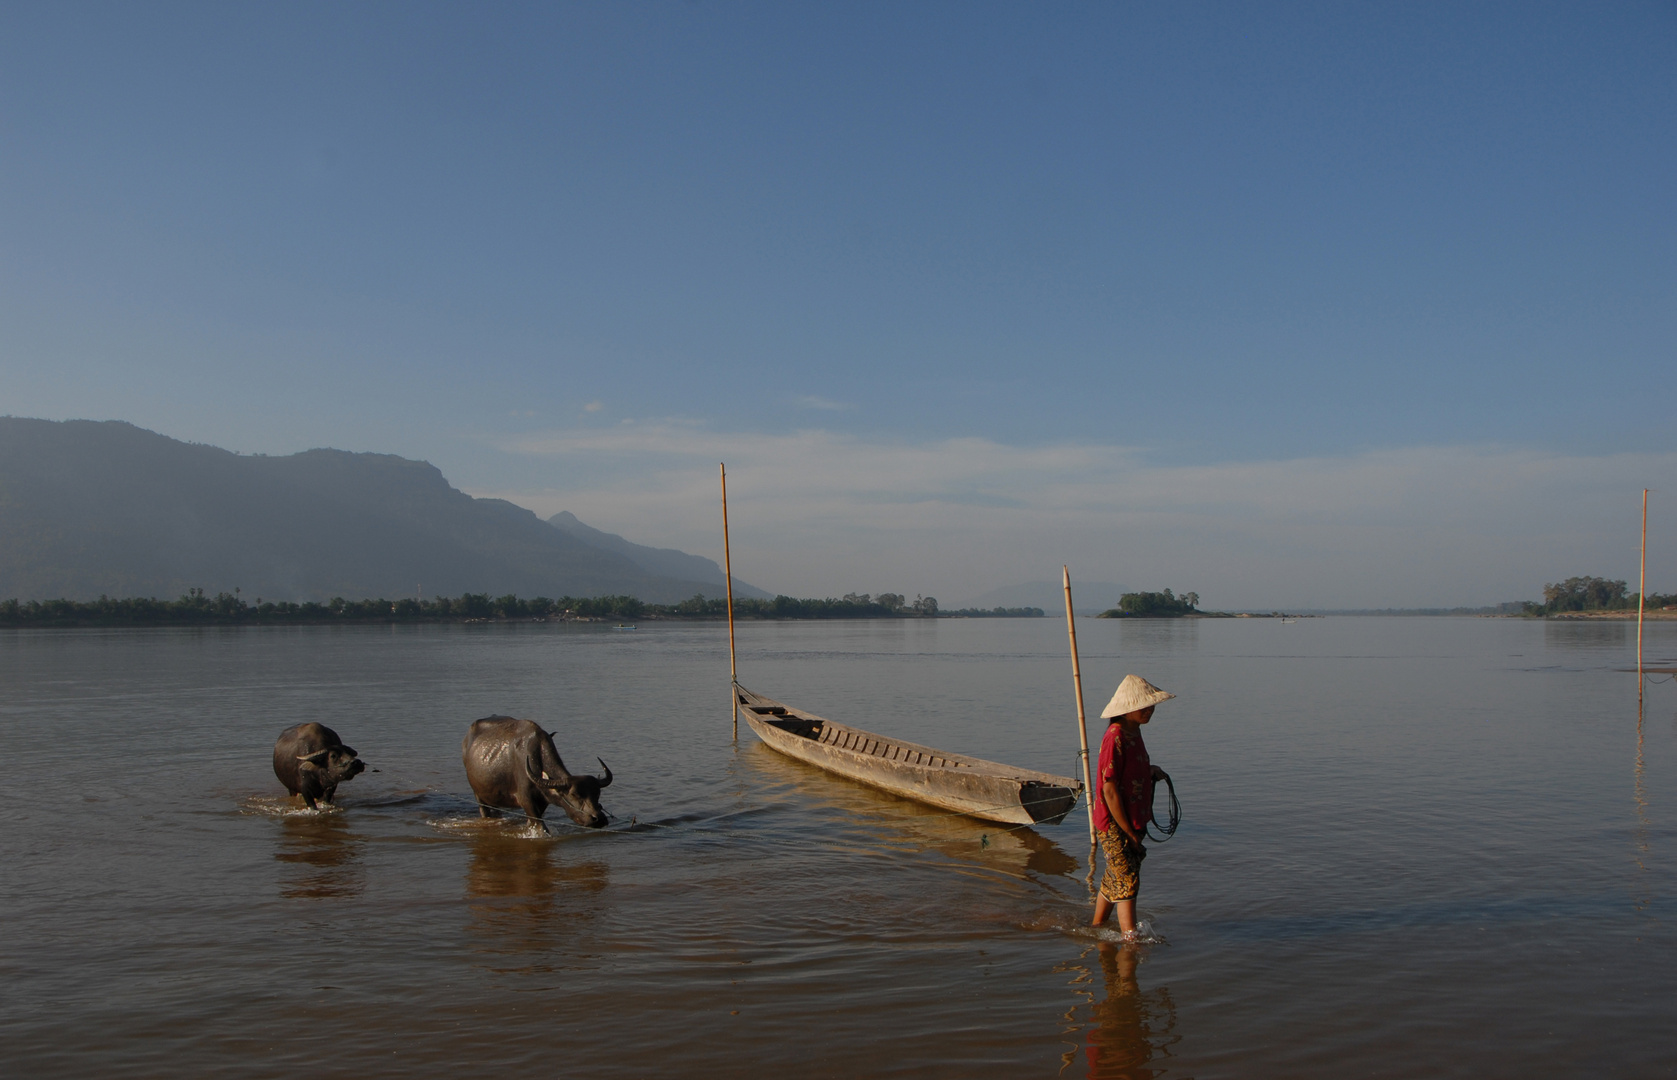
1154, 605
1170, 605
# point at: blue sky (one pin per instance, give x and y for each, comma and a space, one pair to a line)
1289, 304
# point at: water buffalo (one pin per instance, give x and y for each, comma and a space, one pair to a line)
512, 765
311, 761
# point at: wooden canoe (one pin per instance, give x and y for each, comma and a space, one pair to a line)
966, 785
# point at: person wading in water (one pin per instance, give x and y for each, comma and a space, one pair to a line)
1124, 803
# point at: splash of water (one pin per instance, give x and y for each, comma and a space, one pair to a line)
284, 806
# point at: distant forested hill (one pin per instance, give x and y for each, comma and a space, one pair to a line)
104, 507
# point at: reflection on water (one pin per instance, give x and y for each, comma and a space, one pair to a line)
324, 853
1129, 1028
1045, 856
1586, 633
1157, 635
769, 919
892, 821
524, 896
1639, 794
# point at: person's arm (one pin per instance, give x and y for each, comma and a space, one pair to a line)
1115, 806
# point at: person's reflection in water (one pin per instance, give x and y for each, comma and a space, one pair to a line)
525, 898
1130, 1027
325, 854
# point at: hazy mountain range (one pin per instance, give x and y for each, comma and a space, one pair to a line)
666, 562
104, 507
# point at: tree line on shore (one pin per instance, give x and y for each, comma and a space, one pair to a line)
1575, 594
1593, 594
197, 609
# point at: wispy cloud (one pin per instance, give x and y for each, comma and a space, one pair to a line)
594, 406
810, 401
815, 511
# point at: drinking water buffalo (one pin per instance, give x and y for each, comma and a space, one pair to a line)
512, 765
311, 761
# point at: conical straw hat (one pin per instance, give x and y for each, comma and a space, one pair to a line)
1133, 693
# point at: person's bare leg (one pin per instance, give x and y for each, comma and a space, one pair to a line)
1126, 915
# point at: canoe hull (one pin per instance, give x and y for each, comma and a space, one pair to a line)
982, 789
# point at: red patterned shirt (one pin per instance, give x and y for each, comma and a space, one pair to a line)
1123, 760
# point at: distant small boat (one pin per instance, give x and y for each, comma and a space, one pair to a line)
967, 785
625, 626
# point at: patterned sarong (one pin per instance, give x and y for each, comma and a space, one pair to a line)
1122, 879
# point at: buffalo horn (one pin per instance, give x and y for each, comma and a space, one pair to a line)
540, 778
316, 758
606, 781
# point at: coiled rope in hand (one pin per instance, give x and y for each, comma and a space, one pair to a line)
1167, 830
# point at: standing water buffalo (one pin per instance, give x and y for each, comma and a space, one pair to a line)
311, 761
512, 765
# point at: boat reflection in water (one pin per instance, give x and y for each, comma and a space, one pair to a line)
525, 896
1130, 1028
324, 853
870, 816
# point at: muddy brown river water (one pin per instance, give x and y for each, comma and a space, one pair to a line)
1410, 847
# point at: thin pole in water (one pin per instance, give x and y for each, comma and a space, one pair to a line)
1641, 593
728, 571
1082, 725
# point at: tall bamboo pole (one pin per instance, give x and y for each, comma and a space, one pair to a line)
1082, 726
728, 570
1641, 593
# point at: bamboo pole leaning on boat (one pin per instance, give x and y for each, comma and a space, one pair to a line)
1089, 792
728, 574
